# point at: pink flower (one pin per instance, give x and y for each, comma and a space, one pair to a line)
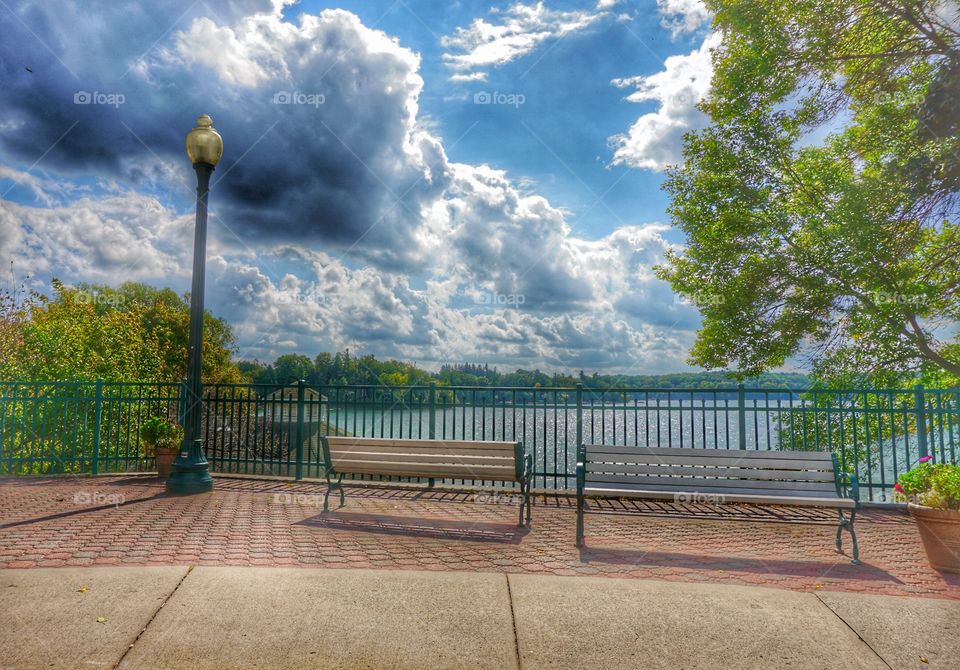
898, 488
925, 459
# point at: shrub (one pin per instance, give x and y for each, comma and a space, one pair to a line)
931, 484
159, 432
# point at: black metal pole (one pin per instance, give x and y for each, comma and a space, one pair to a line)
190, 472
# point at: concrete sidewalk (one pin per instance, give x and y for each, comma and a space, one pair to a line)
236, 617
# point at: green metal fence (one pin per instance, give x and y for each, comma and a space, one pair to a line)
256, 429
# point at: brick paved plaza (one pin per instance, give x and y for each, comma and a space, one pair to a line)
63, 521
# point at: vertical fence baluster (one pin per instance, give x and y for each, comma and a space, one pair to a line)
918, 409
300, 416
97, 416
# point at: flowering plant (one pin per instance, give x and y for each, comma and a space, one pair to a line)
931, 484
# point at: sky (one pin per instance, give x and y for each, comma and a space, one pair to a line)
433, 182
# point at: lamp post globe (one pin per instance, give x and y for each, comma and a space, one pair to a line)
190, 472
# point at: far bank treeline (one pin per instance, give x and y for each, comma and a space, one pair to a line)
138, 333
344, 368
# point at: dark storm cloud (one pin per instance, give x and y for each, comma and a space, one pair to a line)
318, 125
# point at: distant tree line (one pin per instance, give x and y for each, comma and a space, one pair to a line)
342, 368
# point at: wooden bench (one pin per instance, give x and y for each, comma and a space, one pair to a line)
795, 478
482, 460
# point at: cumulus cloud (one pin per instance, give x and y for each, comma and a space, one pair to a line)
683, 16
108, 239
338, 220
512, 34
320, 118
655, 140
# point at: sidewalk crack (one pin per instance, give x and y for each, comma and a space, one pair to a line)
513, 619
854, 630
153, 616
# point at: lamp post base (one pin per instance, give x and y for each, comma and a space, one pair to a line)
190, 472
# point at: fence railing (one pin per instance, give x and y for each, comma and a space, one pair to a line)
94, 427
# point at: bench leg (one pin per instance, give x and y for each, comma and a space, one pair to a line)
579, 520
523, 500
330, 487
527, 497
848, 524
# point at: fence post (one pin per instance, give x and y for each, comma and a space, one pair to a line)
433, 410
918, 406
97, 418
579, 415
300, 407
742, 415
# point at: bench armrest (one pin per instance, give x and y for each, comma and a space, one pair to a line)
848, 486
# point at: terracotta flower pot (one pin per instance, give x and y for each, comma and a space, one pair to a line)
165, 457
940, 532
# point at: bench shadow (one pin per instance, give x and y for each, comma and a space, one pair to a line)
841, 569
80, 511
418, 527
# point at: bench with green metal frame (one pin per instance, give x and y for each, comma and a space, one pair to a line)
430, 459
794, 478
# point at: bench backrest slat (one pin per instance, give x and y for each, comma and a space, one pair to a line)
477, 459
737, 454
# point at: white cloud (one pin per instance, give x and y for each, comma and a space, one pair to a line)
428, 246
518, 31
109, 239
682, 16
655, 140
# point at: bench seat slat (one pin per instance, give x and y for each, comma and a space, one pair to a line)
695, 482
811, 501
709, 469
710, 453
768, 464
707, 488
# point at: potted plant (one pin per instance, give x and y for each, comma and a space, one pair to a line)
161, 438
932, 491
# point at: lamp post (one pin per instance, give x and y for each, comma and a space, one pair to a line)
190, 472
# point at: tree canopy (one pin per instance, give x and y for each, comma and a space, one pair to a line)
133, 332
820, 204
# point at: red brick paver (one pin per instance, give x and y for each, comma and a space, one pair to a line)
78, 521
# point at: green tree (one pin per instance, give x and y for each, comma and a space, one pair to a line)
132, 332
820, 204
290, 368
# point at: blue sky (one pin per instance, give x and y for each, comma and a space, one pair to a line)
438, 182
